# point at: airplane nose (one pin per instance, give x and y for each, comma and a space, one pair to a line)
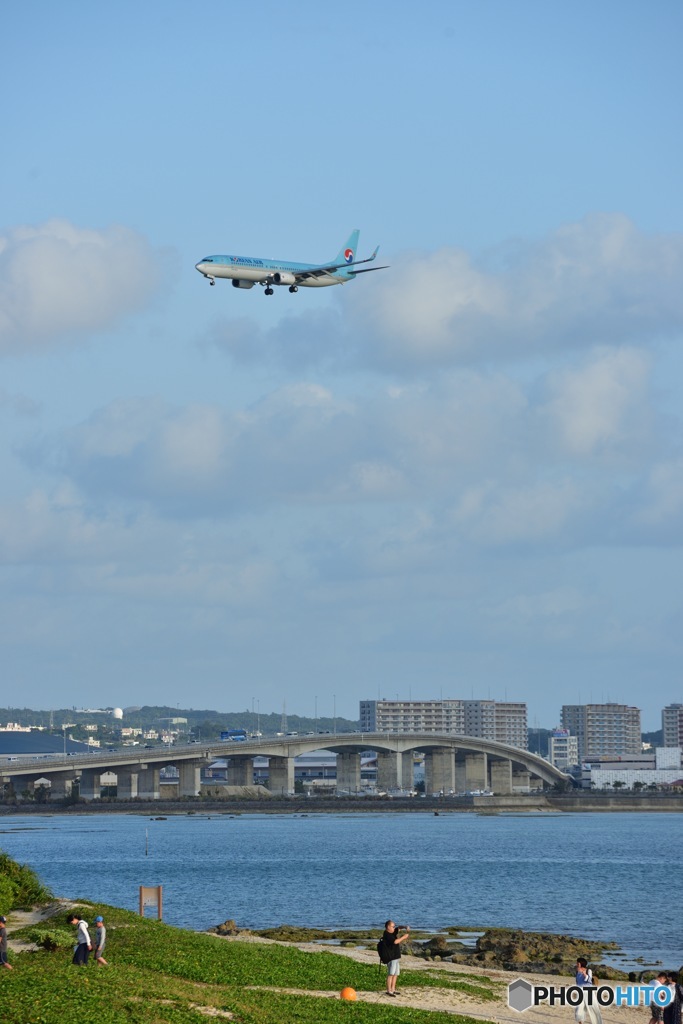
199, 266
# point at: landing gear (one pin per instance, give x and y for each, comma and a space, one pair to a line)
212, 280
293, 288
269, 290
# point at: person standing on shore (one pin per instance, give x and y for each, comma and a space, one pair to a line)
392, 944
672, 1012
584, 979
100, 939
657, 1012
83, 943
3, 944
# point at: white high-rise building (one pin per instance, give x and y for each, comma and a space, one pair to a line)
672, 725
563, 749
603, 730
502, 721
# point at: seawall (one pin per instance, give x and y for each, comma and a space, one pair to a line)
531, 803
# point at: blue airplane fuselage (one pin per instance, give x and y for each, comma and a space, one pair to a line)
255, 270
246, 271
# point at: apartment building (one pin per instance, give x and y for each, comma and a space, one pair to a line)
603, 730
441, 716
503, 721
672, 725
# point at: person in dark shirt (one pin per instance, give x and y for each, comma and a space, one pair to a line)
392, 943
673, 1012
3, 944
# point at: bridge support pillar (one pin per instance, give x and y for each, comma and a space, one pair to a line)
460, 773
406, 770
148, 783
439, 770
476, 771
501, 776
189, 782
520, 780
90, 784
126, 784
240, 771
387, 770
348, 772
61, 784
23, 783
281, 775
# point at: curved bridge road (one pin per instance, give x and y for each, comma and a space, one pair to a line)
452, 763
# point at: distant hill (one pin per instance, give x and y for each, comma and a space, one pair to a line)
655, 739
203, 724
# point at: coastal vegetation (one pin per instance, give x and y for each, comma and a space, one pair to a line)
20, 887
208, 960
161, 974
47, 991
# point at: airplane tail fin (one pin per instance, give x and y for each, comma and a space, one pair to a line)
347, 253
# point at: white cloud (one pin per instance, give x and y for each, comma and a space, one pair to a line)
55, 540
535, 513
58, 281
597, 282
600, 404
486, 459
662, 501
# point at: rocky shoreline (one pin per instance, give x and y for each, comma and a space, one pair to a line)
498, 948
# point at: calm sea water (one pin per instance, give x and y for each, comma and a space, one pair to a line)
602, 876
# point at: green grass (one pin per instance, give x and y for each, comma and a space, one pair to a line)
20, 887
160, 975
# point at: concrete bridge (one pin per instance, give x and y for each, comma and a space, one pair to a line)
452, 764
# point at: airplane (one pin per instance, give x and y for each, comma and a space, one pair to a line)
246, 271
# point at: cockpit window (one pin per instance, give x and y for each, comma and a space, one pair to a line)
207, 259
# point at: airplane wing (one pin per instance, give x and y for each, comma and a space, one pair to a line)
331, 267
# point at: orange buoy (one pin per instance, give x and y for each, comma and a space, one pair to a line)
348, 993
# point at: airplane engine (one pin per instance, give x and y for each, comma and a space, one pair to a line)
242, 284
284, 278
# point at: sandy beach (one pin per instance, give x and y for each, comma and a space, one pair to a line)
457, 1002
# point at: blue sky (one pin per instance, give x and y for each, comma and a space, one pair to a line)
460, 476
